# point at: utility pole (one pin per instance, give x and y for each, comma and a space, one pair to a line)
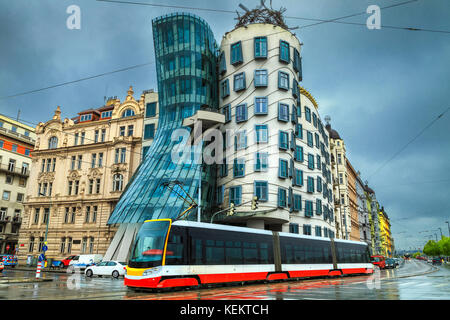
440, 231
448, 224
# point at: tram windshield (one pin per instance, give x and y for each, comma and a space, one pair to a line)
149, 246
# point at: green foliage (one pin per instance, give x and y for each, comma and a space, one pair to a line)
444, 246
415, 255
432, 248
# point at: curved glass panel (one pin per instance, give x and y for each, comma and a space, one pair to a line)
186, 56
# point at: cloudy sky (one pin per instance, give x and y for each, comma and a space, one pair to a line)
381, 88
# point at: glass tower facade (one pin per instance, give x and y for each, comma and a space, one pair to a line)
186, 60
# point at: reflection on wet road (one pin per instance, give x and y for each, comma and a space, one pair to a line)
413, 280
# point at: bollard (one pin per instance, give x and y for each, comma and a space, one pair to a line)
38, 270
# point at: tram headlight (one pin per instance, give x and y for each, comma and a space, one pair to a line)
151, 271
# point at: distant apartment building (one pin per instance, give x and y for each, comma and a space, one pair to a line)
352, 177
80, 168
340, 183
16, 144
373, 208
363, 213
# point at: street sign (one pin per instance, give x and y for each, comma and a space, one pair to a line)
41, 257
44, 248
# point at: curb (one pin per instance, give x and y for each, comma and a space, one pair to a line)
24, 281
42, 270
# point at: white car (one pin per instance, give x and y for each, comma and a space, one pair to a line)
106, 268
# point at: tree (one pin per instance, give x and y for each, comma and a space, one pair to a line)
432, 248
444, 246
415, 255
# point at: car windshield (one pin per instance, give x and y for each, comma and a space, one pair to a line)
149, 246
390, 260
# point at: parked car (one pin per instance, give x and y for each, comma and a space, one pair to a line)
106, 268
1, 266
437, 261
84, 260
8, 260
65, 262
378, 261
390, 263
429, 260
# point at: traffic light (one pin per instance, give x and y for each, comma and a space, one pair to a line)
232, 210
255, 203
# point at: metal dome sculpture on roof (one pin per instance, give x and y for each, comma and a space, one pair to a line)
262, 14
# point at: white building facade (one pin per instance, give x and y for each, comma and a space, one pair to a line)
276, 146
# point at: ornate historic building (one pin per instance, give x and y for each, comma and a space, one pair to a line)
79, 170
16, 143
352, 176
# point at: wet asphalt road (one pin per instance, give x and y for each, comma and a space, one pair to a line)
415, 280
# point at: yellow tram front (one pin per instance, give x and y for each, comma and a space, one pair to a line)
148, 254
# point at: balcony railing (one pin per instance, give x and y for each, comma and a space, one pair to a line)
4, 219
17, 135
13, 169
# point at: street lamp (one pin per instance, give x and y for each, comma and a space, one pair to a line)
440, 231
448, 224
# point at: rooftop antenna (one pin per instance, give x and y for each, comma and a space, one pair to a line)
243, 7
18, 115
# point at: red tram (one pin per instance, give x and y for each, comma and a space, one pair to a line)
183, 254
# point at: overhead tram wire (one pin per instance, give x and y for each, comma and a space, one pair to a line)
317, 20
411, 141
78, 80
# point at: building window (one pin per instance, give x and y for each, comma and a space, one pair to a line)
236, 53
239, 168
296, 60
241, 113
225, 88
227, 113
262, 133
75, 143
293, 228
261, 78
239, 82
240, 140
283, 169
236, 195
117, 182
298, 178
283, 80
283, 140
222, 63
261, 190
318, 206
308, 114
122, 131
150, 110
318, 231
297, 202
261, 161
106, 114
149, 131
6, 195
307, 229
128, 113
319, 184
298, 155
310, 185
31, 245
261, 105
220, 194
130, 130
284, 51
282, 193
310, 161
53, 143
283, 112
260, 47
309, 138
103, 135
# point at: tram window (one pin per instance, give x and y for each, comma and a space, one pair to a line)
215, 255
289, 256
299, 254
263, 253
233, 252
174, 251
196, 252
250, 253
318, 255
309, 255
